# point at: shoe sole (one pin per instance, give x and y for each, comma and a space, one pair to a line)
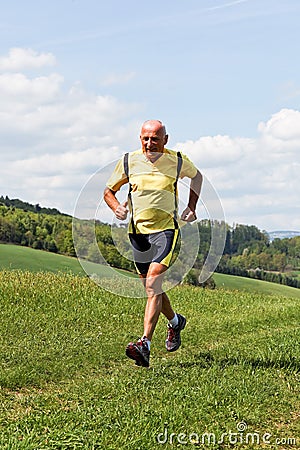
179, 344
133, 352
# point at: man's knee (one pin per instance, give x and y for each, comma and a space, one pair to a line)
152, 286
153, 282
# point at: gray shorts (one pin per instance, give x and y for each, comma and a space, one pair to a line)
154, 247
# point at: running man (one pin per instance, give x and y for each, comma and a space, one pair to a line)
152, 173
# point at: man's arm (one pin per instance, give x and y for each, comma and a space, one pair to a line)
119, 209
189, 214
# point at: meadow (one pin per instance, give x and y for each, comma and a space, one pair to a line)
251, 285
25, 258
67, 384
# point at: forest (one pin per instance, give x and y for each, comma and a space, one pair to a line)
248, 251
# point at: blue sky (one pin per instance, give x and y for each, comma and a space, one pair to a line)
77, 78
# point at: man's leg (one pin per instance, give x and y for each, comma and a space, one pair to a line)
157, 301
152, 281
167, 309
155, 298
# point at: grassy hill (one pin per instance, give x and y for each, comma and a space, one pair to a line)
251, 285
66, 383
18, 257
25, 258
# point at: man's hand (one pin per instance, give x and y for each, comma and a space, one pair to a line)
188, 215
121, 211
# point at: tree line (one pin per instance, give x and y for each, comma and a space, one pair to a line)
53, 233
25, 206
247, 252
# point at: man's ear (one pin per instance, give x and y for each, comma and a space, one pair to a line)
166, 139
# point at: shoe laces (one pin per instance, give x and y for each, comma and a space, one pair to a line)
142, 343
171, 333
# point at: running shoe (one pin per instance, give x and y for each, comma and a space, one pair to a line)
173, 340
139, 352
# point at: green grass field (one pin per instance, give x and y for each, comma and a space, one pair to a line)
67, 384
250, 285
24, 258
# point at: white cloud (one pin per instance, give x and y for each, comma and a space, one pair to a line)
284, 125
53, 139
38, 117
257, 179
18, 87
212, 151
74, 162
25, 58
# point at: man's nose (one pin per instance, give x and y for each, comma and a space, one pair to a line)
149, 143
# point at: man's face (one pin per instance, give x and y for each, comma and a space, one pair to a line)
153, 139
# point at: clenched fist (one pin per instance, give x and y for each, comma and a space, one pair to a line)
121, 211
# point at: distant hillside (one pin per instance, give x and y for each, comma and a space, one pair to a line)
25, 206
14, 257
282, 234
248, 252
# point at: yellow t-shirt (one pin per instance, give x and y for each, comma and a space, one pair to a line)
153, 192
